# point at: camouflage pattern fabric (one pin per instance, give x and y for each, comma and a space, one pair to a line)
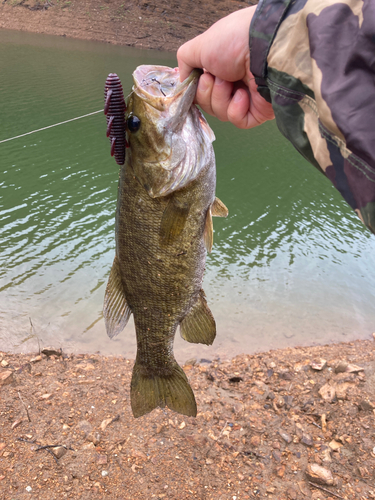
315, 61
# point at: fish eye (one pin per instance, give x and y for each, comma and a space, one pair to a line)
133, 123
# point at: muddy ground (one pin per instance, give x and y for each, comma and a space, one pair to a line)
288, 424
151, 24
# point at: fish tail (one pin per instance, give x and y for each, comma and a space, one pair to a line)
149, 391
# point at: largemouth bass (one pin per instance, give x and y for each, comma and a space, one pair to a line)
166, 199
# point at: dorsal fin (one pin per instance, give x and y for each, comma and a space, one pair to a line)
218, 209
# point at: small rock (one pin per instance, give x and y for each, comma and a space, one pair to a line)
2, 446
45, 397
241, 477
88, 446
318, 474
29, 489
280, 471
335, 445
255, 441
276, 455
287, 438
271, 489
326, 454
307, 440
36, 359
292, 494
319, 365
341, 390
327, 392
65, 427
16, 423
104, 473
101, 459
182, 425
4, 363
191, 362
354, 369
52, 351
94, 437
303, 488
58, 451
6, 377
139, 454
341, 367
84, 426
366, 405
106, 423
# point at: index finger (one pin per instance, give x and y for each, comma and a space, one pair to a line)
189, 57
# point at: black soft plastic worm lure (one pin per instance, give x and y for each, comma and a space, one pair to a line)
114, 109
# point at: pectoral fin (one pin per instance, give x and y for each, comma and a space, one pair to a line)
218, 209
208, 233
115, 310
173, 220
199, 325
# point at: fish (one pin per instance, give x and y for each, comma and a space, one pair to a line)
163, 231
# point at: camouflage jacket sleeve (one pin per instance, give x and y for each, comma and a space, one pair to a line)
315, 61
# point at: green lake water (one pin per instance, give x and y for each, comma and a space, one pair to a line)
291, 265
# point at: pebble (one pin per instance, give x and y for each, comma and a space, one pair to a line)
4, 363
94, 437
104, 473
6, 377
319, 365
29, 489
335, 445
36, 359
52, 351
318, 474
287, 438
307, 440
59, 451
341, 367
327, 392
101, 459
16, 423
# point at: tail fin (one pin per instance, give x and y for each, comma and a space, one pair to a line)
149, 391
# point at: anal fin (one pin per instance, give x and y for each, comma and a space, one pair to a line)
115, 310
150, 390
199, 325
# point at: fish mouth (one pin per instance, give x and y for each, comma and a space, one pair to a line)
157, 85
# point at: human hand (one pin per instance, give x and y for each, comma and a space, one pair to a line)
227, 88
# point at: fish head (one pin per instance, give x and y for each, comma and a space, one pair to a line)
169, 138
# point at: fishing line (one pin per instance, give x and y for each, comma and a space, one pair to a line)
51, 126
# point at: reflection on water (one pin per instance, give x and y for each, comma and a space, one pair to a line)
290, 265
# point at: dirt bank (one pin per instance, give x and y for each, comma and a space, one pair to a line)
151, 24
288, 424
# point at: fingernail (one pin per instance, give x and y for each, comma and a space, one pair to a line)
237, 96
203, 84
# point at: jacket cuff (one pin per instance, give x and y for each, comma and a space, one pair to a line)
264, 25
